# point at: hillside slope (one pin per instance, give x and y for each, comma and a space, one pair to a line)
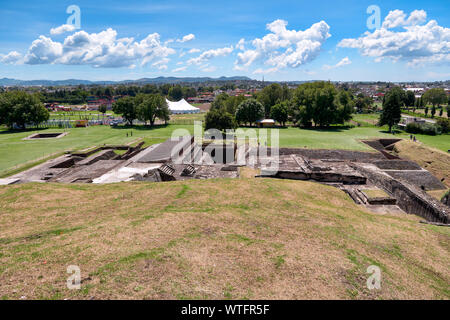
212, 239
434, 160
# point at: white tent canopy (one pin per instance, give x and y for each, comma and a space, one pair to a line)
181, 106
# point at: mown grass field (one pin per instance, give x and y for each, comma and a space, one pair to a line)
212, 239
17, 152
76, 115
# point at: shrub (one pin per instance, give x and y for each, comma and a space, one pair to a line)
423, 128
444, 124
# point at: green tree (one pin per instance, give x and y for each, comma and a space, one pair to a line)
286, 93
249, 111
231, 103
165, 89
392, 104
426, 111
325, 107
151, 106
318, 102
269, 96
410, 99
176, 93
435, 96
126, 107
21, 108
108, 92
280, 112
150, 88
303, 102
219, 101
189, 92
346, 106
219, 119
433, 111
102, 108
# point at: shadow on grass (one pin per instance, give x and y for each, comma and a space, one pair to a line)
256, 127
329, 129
141, 127
11, 131
394, 132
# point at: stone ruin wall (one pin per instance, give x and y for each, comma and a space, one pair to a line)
409, 199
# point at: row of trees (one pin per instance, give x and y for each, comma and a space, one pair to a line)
394, 100
79, 94
433, 111
317, 103
21, 108
435, 97
145, 107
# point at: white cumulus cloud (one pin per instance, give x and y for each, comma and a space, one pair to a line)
103, 49
345, 61
209, 54
62, 29
194, 50
398, 18
10, 58
241, 44
179, 69
416, 42
283, 48
186, 38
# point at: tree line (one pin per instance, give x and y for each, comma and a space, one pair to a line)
80, 94
20, 108
310, 104
144, 107
396, 99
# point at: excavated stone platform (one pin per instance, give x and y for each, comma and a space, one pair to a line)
300, 168
86, 173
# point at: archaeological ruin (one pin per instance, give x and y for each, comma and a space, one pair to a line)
378, 180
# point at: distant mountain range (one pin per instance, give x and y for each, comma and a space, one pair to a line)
74, 82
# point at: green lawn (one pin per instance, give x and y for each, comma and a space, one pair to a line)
370, 119
76, 115
17, 152
349, 139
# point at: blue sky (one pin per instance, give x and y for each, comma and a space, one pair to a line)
282, 40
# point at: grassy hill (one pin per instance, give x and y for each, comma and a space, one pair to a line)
232, 239
435, 161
